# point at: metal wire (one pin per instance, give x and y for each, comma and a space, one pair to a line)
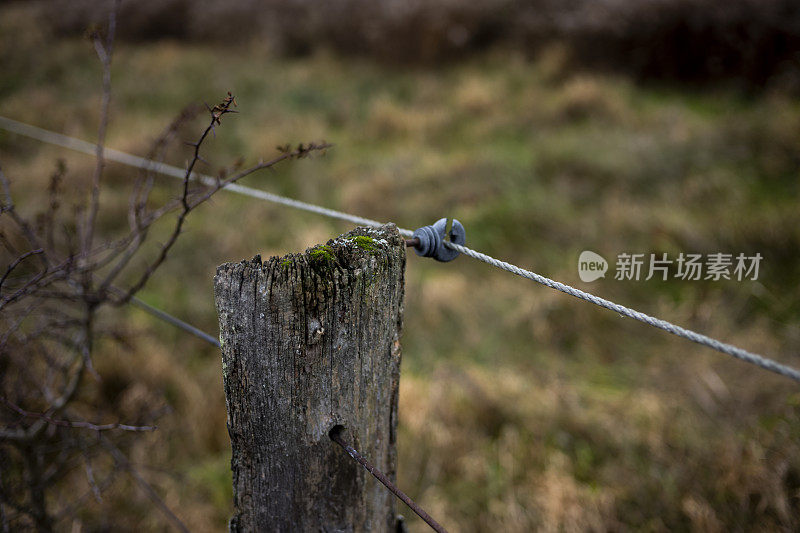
336, 436
82, 146
168, 170
693, 336
177, 322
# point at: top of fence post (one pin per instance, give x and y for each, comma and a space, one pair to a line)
311, 342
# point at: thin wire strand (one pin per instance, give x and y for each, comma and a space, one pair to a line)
88, 148
693, 336
336, 436
168, 170
177, 322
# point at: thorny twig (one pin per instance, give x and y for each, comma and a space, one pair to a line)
188, 204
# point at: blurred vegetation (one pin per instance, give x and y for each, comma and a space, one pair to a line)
751, 43
520, 408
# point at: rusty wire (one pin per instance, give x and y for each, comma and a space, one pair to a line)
336, 436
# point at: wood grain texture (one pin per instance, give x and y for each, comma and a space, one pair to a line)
311, 341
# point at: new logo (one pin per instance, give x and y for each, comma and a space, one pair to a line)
591, 266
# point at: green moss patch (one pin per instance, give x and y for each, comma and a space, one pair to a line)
322, 253
364, 242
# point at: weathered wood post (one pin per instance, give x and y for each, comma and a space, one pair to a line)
310, 342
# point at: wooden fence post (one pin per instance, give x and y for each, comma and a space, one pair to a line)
310, 342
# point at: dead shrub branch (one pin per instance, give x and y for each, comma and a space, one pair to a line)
63, 275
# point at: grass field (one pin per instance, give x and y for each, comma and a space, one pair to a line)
520, 407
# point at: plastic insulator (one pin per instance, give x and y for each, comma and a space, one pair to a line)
431, 240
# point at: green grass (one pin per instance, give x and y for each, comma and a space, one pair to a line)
520, 407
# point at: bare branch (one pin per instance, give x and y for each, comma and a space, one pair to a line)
87, 339
90, 478
216, 114
8, 203
71, 423
104, 51
50, 215
300, 152
16, 262
41, 280
22, 224
37, 427
50, 321
145, 486
96, 490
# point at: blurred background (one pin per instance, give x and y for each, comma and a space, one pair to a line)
547, 128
